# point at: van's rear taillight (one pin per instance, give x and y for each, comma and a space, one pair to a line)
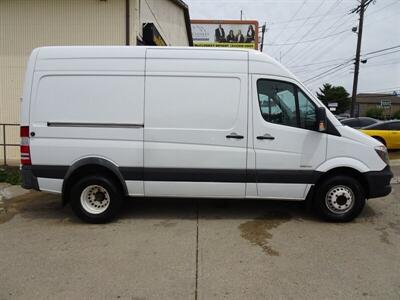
25, 150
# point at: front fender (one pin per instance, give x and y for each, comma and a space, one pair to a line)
343, 162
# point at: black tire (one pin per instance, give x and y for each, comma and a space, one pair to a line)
378, 138
113, 197
345, 202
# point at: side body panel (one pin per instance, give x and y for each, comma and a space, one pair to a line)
93, 107
193, 102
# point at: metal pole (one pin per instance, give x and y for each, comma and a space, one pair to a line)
357, 62
241, 15
127, 23
262, 37
4, 145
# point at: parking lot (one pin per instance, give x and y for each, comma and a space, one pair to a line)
198, 249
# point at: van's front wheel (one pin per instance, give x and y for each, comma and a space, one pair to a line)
95, 199
339, 198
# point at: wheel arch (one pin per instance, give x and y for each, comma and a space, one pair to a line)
341, 166
91, 165
346, 171
380, 139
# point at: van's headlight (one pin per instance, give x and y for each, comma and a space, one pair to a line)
382, 152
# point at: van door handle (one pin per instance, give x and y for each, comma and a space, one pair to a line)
234, 135
266, 136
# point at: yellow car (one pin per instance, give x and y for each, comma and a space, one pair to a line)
388, 133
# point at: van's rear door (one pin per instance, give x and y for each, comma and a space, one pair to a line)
88, 103
195, 133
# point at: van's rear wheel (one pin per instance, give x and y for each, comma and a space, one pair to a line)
339, 198
95, 199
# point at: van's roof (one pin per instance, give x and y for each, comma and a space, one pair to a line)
129, 51
258, 61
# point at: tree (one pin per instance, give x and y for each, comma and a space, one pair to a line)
396, 115
375, 112
337, 94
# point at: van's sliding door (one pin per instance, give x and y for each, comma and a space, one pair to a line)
195, 124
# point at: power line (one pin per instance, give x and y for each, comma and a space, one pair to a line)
382, 8
381, 65
304, 35
363, 5
318, 63
325, 73
318, 52
336, 75
309, 41
301, 19
313, 70
294, 15
382, 90
387, 53
381, 50
329, 30
319, 20
329, 61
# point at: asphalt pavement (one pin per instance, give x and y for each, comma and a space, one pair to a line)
198, 249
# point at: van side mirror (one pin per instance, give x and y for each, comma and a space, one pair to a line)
322, 123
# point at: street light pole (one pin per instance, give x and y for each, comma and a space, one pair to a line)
262, 37
357, 59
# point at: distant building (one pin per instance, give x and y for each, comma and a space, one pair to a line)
389, 102
27, 24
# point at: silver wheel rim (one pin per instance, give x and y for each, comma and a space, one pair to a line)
340, 199
95, 199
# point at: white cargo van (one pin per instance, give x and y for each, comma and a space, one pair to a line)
103, 123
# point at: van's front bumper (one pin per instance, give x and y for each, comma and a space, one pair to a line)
29, 180
379, 182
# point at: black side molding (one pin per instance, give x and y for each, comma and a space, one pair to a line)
181, 174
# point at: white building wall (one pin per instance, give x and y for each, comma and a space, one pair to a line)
27, 24
169, 19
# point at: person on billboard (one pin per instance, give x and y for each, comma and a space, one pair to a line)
220, 34
230, 38
239, 37
250, 34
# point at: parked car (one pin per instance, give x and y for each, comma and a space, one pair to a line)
103, 123
340, 118
359, 122
388, 133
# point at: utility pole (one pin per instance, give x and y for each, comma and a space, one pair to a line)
241, 15
262, 36
361, 10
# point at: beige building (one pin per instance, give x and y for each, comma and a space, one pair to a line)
27, 24
389, 102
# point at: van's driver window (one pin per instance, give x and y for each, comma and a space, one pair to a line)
277, 102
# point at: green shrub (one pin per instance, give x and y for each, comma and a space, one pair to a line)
396, 115
10, 175
375, 112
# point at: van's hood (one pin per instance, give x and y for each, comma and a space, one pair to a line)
357, 136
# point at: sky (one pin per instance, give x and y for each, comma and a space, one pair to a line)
318, 42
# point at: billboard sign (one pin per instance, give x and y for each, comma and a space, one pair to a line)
225, 33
